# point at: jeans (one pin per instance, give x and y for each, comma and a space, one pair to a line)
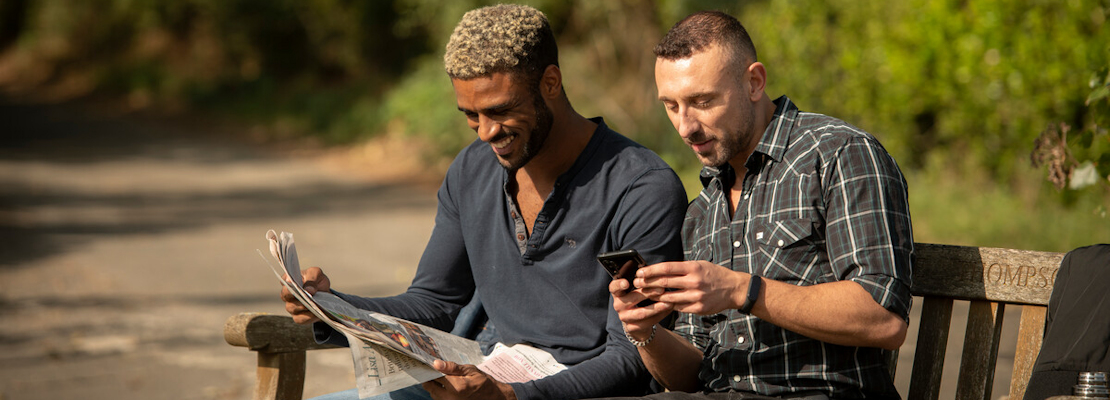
721, 396
471, 324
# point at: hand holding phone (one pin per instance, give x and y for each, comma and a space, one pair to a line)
622, 264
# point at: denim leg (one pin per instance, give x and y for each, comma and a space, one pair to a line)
470, 320
415, 392
344, 395
473, 323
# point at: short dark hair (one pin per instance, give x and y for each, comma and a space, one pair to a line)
702, 29
503, 38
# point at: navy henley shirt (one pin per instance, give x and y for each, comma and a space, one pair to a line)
547, 289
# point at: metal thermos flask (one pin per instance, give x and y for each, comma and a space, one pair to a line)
1092, 385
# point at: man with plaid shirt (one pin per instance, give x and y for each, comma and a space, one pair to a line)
798, 249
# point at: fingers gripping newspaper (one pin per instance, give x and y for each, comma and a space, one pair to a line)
391, 353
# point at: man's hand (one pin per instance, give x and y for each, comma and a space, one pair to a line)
637, 320
314, 280
466, 382
696, 287
840, 312
672, 360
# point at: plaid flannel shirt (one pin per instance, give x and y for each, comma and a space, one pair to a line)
822, 202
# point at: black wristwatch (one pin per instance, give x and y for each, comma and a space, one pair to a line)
754, 285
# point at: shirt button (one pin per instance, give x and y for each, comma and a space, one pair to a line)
520, 236
740, 340
745, 196
736, 378
780, 242
736, 244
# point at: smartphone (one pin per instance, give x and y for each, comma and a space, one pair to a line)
622, 264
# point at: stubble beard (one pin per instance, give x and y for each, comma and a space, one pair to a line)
730, 144
536, 137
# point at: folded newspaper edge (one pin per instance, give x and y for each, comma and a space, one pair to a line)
392, 353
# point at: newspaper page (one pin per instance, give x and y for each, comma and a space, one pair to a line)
391, 353
519, 363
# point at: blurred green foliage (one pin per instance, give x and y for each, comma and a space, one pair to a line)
963, 81
958, 90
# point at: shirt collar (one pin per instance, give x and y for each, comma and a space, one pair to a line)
772, 144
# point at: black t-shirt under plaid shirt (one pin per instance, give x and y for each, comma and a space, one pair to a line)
822, 202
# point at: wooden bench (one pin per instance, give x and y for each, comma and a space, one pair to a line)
990, 278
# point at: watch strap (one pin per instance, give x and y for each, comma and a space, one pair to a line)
755, 283
641, 343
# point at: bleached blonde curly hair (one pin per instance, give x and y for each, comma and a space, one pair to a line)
502, 38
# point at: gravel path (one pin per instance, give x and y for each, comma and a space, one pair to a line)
128, 241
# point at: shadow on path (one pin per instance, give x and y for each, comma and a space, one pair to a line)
68, 174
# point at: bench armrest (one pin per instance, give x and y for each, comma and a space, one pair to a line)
270, 333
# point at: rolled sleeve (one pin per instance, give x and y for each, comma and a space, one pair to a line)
892, 294
870, 241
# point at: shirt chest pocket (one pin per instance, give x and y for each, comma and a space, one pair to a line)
789, 249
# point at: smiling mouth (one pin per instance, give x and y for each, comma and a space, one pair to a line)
501, 146
504, 142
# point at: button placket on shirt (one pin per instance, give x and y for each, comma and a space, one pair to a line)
519, 228
741, 342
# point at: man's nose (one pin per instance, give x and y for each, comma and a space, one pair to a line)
488, 128
687, 124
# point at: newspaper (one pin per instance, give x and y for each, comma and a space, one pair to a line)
391, 353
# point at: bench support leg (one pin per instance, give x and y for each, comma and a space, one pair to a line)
280, 376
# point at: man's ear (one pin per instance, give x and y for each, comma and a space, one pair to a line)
551, 83
757, 81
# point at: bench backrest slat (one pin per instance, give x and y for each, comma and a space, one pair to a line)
1030, 337
928, 356
984, 273
980, 353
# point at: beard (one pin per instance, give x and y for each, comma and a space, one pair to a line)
536, 137
729, 144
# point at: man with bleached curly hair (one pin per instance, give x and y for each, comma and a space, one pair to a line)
523, 213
